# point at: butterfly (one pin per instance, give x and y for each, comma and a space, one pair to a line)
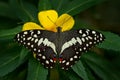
64, 48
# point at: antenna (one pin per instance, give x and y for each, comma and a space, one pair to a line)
51, 20
59, 27
65, 20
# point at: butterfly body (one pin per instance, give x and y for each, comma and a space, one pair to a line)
64, 48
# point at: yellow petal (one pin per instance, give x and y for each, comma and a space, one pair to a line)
31, 26
65, 21
48, 19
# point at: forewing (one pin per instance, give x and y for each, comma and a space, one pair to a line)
40, 43
75, 43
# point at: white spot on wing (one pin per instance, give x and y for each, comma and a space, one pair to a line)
71, 59
94, 42
23, 39
53, 47
23, 35
87, 31
90, 37
24, 43
83, 35
87, 45
80, 31
31, 32
39, 54
83, 39
93, 32
25, 32
32, 39
29, 38
73, 40
77, 52
62, 68
79, 41
51, 60
28, 43
90, 42
68, 44
80, 49
32, 45
65, 45
43, 57
38, 32
84, 48
18, 35
63, 61
39, 50
95, 38
51, 67
75, 57
35, 49
100, 39
46, 42
47, 62
36, 40
101, 35
35, 35
67, 63
86, 38
40, 41
18, 39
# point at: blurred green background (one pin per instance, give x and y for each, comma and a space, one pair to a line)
100, 63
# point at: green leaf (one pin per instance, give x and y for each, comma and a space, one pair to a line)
36, 71
80, 70
73, 77
89, 73
44, 5
6, 10
54, 74
23, 54
24, 10
69, 74
58, 5
101, 67
76, 6
9, 60
30, 10
18, 74
6, 24
111, 41
9, 33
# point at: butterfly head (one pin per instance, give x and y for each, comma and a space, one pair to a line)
59, 29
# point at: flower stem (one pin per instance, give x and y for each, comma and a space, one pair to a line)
54, 74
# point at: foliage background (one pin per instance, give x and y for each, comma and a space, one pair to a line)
101, 63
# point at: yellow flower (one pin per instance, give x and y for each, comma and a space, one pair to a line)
50, 21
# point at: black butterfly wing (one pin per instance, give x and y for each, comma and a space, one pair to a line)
75, 43
69, 45
41, 43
